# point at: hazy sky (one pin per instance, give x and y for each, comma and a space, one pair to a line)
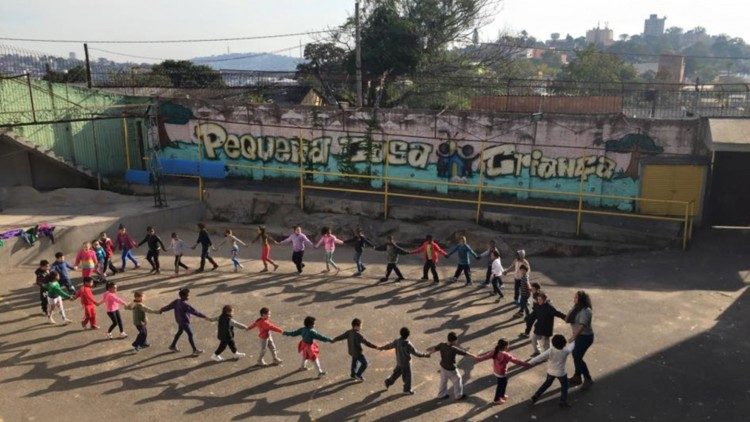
180, 19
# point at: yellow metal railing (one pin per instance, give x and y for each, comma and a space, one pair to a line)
481, 189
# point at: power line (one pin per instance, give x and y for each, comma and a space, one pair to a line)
199, 60
613, 53
127, 55
255, 37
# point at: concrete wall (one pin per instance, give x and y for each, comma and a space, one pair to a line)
22, 167
552, 155
15, 169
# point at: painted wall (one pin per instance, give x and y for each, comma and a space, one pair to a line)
552, 154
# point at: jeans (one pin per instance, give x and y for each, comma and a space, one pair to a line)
523, 305
563, 387
235, 260
43, 300
153, 258
393, 267
126, 254
223, 345
140, 339
116, 321
401, 371
358, 261
297, 259
535, 339
329, 260
108, 265
267, 343
463, 268
362, 361
497, 282
180, 329
178, 263
516, 289
502, 384
582, 344
206, 255
429, 265
488, 276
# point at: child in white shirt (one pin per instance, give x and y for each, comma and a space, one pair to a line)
178, 247
497, 272
557, 355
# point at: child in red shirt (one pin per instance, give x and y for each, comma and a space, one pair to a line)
431, 251
88, 302
500, 359
265, 327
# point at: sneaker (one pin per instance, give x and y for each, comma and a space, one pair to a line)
586, 384
143, 346
153, 270
304, 368
123, 334
275, 267
264, 270
463, 397
387, 386
523, 335
136, 349
363, 269
445, 397
174, 348
277, 361
238, 355
453, 279
321, 374
534, 399
66, 321
157, 272
468, 283
575, 380
564, 405
215, 267
357, 274
535, 354
51, 320
383, 279
197, 352
94, 327
215, 357
409, 392
109, 336
498, 402
422, 279
260, 362
436, 282
498, 299
400, 279
359, 378
83, 325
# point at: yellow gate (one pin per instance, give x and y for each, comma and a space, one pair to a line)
674, 182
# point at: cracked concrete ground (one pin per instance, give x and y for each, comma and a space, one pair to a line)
671, 342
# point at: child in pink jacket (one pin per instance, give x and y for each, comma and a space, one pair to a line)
112, 302
500, 359
329, 241
86, 260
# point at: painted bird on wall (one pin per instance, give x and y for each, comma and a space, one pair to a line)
455, 162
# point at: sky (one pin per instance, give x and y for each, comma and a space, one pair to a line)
190, 19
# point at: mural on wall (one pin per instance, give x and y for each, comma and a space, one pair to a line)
612, 170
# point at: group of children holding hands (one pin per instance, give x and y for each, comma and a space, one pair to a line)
95, 259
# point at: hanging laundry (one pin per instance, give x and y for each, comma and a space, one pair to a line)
10, 234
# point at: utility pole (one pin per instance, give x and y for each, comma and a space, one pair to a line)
358, 54
88, 65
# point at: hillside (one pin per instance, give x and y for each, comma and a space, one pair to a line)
249, 61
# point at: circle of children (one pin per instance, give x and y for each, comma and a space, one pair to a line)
96, 258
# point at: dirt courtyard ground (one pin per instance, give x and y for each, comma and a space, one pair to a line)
671, 343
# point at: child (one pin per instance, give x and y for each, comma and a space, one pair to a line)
329, 241
544, 314
307, 347
517, 277
535, 290
500, 359
140, 320
154, 244
523, 292
226, 333
55, 296
265, 251
182, 312
88, 303
557, 355
355, 340
41, 274
265, 327
61, 267
112, 303
491, 247
464, 259
432, 252
404, 351
235, 248
178, 247
86, 260
392, 251
298, 241
101, 258
126, 244
448, 370
497, 272
360, 242
206, 247
109, 248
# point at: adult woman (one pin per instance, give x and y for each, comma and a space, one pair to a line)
580, 320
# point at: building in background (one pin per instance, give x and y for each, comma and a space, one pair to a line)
671, 68
654, 26
599, 36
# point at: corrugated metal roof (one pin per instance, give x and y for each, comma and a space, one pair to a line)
730, 134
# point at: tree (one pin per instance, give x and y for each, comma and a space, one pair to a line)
637, 144
186, 74
74, 74
593, 66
